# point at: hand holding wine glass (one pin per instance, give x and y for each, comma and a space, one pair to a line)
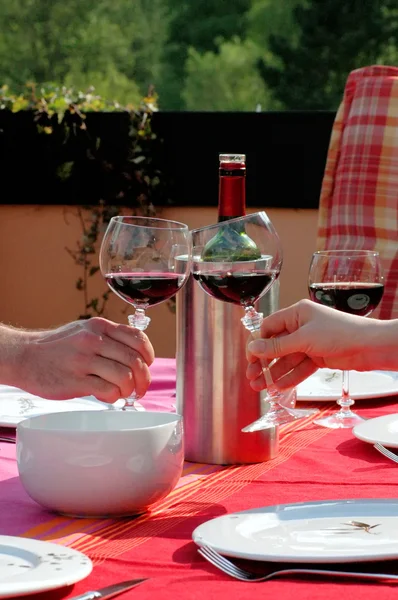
145, 261
238, 261
350, 281
307, 336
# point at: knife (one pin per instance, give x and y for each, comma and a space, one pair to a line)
109, 591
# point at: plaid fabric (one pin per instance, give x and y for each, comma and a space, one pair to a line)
359, 197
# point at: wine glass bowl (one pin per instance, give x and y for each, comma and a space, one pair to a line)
239, 282
350, 281
237, 261
145, 261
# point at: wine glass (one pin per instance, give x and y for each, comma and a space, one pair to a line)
238, 261
144, 261
350, 281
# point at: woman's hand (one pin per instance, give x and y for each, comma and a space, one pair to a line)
307, 336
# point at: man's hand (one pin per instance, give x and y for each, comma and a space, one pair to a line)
94, 357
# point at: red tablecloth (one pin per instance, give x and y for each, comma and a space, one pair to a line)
313, 464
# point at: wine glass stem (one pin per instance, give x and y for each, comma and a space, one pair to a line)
252, 321
271, 388
345, 401
140, 321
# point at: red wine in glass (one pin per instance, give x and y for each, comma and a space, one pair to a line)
147, 289
351, 297
140, 261
350, 281
238, 287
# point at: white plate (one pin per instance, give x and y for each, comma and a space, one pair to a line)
310, 532
29, 566
326, 384
381, 429
16, 405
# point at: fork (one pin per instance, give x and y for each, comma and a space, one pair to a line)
10, 440
228, 567
385, 452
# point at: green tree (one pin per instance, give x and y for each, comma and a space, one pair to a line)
150, 26
145, 25
334, 37
42, 39
196, 24
99, 54
224, 80
389, 51
115, 45
266, 17
109, 83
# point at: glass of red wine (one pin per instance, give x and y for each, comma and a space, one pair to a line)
238, 261
144, 261
350, 281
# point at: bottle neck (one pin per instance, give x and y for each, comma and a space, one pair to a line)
231, 191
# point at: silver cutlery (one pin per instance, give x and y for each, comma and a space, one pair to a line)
385, 452
110, 591
229, 568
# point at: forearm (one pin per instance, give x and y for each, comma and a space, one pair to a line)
382, 344
17, 350
13, 354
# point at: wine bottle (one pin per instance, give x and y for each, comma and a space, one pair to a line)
231, 243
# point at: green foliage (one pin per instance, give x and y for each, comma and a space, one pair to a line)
306, 48
197, 25
50, 100
148, 22
389, 50
109, 83
115, 45
333, 38
211, 81
208, 20
93, 222
61, 114
268, 17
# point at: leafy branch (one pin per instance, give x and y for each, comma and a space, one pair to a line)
132, 179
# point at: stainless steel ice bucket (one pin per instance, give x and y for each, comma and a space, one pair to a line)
213, 394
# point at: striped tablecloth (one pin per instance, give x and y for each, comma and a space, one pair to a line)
314, 463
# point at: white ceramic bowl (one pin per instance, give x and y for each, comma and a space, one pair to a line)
106, 463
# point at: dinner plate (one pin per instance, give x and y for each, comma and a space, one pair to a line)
29, 566
16, 405
326, 384
380, 429
308, 532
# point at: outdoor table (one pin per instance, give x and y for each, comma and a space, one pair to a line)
313, 463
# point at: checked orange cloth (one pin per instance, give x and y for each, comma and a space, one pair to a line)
359, 198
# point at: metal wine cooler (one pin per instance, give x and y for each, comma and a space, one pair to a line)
213, 394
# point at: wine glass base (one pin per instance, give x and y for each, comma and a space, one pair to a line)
340, 420
303, 413
279, 416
